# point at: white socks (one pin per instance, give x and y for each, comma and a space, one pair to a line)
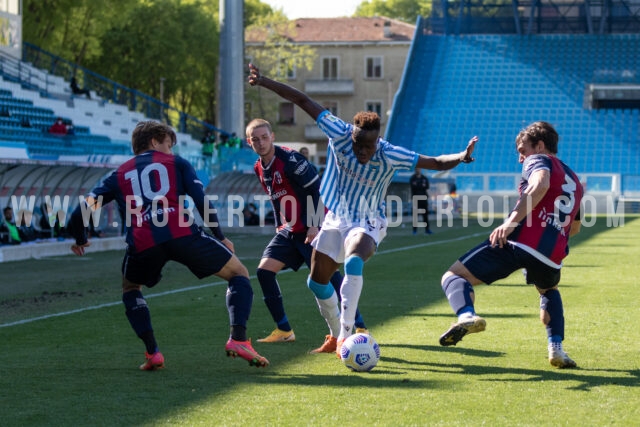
331, 312
350, 292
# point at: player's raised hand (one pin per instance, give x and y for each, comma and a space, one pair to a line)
470, 146
254, 75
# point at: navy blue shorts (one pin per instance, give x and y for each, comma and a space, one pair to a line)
203, 254
489, 264
290, 249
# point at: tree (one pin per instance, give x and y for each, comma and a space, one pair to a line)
137, 42
71, 29
277, 55
403, 10
165, 39
253, 10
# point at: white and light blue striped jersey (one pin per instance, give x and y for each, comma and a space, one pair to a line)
349, 189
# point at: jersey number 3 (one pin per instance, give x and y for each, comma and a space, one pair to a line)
567, 201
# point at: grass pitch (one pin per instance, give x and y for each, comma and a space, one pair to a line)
79, 367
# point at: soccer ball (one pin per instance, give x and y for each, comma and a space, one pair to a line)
360, 352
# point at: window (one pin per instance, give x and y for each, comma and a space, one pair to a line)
285, 70
375, 106
285, 113
373, 67
330, 68
332, 106
10, 6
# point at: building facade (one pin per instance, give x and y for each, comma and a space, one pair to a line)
358, 66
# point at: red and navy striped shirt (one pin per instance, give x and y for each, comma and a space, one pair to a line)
293, 185
150, 191
545, 231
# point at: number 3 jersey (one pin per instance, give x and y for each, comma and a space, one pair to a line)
545, 231
293, 186
150, 192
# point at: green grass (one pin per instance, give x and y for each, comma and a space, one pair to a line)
81, 369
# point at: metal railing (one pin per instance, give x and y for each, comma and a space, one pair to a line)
108, 90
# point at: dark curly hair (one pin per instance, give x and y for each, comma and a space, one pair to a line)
367, 120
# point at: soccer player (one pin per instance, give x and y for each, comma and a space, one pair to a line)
360, 166
293, 185
150, 191
534, 237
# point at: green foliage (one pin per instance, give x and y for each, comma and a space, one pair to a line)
255, 10
276, 57
136, 43
403, 10
71, 29
81, 368
177, 42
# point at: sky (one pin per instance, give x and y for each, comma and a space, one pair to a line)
314, 9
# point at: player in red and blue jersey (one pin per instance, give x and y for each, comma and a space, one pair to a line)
534, 237
292, 184
151, 191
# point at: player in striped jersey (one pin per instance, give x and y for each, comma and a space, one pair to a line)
360, 166
535, 237
150, 190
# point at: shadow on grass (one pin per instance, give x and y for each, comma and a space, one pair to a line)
453, 316
96, 364
586, 378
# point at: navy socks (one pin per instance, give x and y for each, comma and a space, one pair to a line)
239, 300
551, 302
140, 318
273, 298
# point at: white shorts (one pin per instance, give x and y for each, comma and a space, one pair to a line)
336, 232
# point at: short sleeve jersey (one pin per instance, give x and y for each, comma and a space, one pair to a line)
292, 184
149, 190
545, 232
352, 190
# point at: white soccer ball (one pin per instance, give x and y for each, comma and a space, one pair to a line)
360, 352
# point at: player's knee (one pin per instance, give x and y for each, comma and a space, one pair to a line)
321, 291
128, 286
236, 268
354, 265
263, 274
444, 281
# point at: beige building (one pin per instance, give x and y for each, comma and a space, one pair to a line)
358, 66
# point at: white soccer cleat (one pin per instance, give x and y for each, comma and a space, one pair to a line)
558, 358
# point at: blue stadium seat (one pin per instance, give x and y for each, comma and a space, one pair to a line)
39, 143
493, 85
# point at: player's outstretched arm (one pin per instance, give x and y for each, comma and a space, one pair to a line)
287, 92
448, 161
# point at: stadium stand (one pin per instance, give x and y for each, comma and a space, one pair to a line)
492, 85
33, 90
40, 96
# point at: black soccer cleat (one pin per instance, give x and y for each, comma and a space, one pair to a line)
458, 330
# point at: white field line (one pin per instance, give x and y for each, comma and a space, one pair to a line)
218, 283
